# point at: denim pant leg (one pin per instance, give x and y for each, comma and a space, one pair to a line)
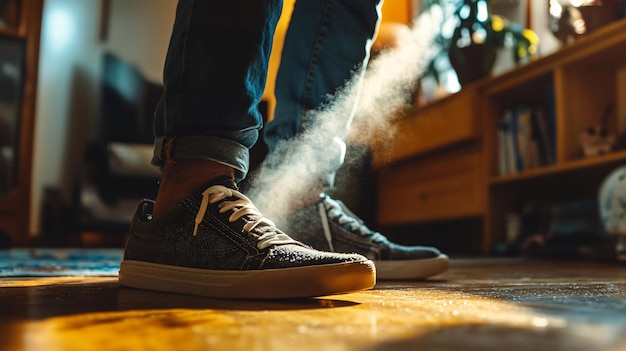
327, 44
214, 76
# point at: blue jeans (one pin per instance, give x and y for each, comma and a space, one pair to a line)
327, 45
216, 68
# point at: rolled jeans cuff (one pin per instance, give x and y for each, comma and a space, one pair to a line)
221, 150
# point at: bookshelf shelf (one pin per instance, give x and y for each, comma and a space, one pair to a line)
581, 164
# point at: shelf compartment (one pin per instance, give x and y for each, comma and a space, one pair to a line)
611, 160
535, 92
586, 92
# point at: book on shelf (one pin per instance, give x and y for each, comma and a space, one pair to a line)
546, 135
525, 139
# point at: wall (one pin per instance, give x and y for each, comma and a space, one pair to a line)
139, 32
397, 11
69, 74
66, 94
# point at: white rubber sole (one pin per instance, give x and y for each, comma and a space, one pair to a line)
412, 269
300, 282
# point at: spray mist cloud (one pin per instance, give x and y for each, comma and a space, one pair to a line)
293, 175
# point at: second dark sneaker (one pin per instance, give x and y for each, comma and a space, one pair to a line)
329, 225
216, 243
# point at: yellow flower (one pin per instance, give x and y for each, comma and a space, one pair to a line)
532, 37
497, 23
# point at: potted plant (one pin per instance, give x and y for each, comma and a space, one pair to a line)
477, 37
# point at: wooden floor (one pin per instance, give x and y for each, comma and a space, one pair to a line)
478, 305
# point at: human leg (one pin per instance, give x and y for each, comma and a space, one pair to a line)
210, 137
316, 98
208, 238
316, 66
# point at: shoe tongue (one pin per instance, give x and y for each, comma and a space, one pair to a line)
224, 180
229, 183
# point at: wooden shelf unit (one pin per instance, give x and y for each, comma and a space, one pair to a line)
15, 203
578, 82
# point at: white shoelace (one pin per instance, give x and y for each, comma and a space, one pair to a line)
241, 207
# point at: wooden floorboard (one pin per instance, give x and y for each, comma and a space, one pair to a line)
484, 304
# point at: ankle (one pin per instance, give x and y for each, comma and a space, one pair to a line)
180, 178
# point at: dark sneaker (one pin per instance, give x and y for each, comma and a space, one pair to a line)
216, 243
330, 226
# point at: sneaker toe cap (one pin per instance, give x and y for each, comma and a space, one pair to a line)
285, 256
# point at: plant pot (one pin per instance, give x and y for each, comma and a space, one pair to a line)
472, 62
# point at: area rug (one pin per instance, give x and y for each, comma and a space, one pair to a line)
60, 262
